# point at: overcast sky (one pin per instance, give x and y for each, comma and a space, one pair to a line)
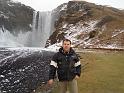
47, 5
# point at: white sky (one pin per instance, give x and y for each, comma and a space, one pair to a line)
47, 5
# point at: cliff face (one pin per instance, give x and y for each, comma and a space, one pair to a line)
89, 25
15, 16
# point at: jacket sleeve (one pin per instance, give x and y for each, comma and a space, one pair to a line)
53, 66
78, 66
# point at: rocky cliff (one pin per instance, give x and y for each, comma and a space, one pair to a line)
89, 25
15, 16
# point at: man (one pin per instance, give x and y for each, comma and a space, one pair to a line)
68, 68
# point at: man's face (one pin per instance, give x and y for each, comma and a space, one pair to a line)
66, 46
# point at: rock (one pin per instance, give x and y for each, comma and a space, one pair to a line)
15, 16
104, 20
89, 25
23, 70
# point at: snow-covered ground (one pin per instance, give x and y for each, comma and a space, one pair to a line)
33, 49
54, 47
21, 67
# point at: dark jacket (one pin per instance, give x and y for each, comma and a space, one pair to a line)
67, 65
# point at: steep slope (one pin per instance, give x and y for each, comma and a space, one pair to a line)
15, 16
89, 25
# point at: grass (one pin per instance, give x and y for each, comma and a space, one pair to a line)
103, 74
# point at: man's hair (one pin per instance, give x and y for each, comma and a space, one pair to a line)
66, 40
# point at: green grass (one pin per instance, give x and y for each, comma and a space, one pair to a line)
103, 74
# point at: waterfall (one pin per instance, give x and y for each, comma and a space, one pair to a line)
7, 39
41, 28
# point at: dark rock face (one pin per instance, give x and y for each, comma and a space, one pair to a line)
22, 71
15, 16
75, 12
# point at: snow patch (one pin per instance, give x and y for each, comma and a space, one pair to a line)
117, 33
6, 80
110, 46
76, 30
2, 76
65, 25
17, 81
4, 16
10, 5
30, 49
55, 47
63, 8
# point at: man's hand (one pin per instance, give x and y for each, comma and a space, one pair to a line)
76, 77
50, 82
